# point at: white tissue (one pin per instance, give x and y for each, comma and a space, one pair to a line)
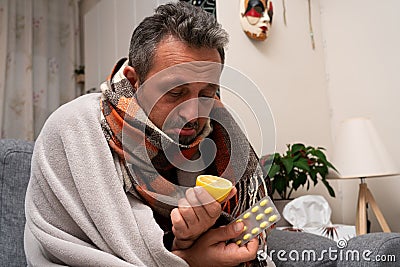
312, 214
308, 211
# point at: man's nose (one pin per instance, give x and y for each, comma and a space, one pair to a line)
189, 110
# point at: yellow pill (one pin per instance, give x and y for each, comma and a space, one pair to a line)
263, 224
259, 217
244, 228
268, 210
238, 242
264, 202
272, 218
247, 215
255, 230
239, 220
246, 236
255, 209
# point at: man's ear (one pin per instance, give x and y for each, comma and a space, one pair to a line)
130, 73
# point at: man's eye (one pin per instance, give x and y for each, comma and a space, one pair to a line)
174, 94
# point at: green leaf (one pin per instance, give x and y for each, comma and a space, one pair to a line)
302, 164
313, 175
322, 170
297, 147
331, 166
277, 156
330, 189
272, 186
274, 170
288, 163
280, 184
296, 157
300, 180
319, 154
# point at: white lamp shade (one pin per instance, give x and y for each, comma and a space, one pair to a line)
359, 152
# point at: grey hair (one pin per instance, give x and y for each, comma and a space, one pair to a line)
188, 23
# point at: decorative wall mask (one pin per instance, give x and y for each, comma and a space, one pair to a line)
256, 18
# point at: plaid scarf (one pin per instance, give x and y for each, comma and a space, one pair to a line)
141, 147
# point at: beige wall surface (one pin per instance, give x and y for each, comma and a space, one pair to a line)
108, 26
290, 75
352, 72
362, 40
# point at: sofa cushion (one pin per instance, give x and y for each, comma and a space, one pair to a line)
375, 249
15, 162
300, 249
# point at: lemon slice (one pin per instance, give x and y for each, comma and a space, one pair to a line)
217, 187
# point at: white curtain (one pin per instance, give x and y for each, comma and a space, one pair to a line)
39, 51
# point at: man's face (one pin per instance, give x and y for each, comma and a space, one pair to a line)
180, 111
256, 18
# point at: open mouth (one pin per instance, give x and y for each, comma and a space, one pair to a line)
182, 131
187, 131
264, 28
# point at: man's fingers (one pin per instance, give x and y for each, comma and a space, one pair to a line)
177, 220
187, 212
211, 207
252, 245
232, 253
196, 204
244, 253
225, 233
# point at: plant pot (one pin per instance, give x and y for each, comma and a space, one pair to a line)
280, 205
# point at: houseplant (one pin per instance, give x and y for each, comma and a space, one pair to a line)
298, 166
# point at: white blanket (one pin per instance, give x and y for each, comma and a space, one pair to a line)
77, 211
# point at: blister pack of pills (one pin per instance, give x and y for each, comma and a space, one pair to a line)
260, 217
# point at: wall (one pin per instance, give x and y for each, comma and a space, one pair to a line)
362, 40
352, 72
291, 76
289, 73
108, 27
84, 7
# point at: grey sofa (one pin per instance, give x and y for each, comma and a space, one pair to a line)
15, 164
286, 248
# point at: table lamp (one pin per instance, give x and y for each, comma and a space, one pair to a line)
360, 153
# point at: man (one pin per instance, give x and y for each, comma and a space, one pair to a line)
110, 184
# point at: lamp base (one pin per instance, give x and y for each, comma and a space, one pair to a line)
365, 197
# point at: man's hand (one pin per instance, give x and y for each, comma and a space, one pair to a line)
210, 249
195, 215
